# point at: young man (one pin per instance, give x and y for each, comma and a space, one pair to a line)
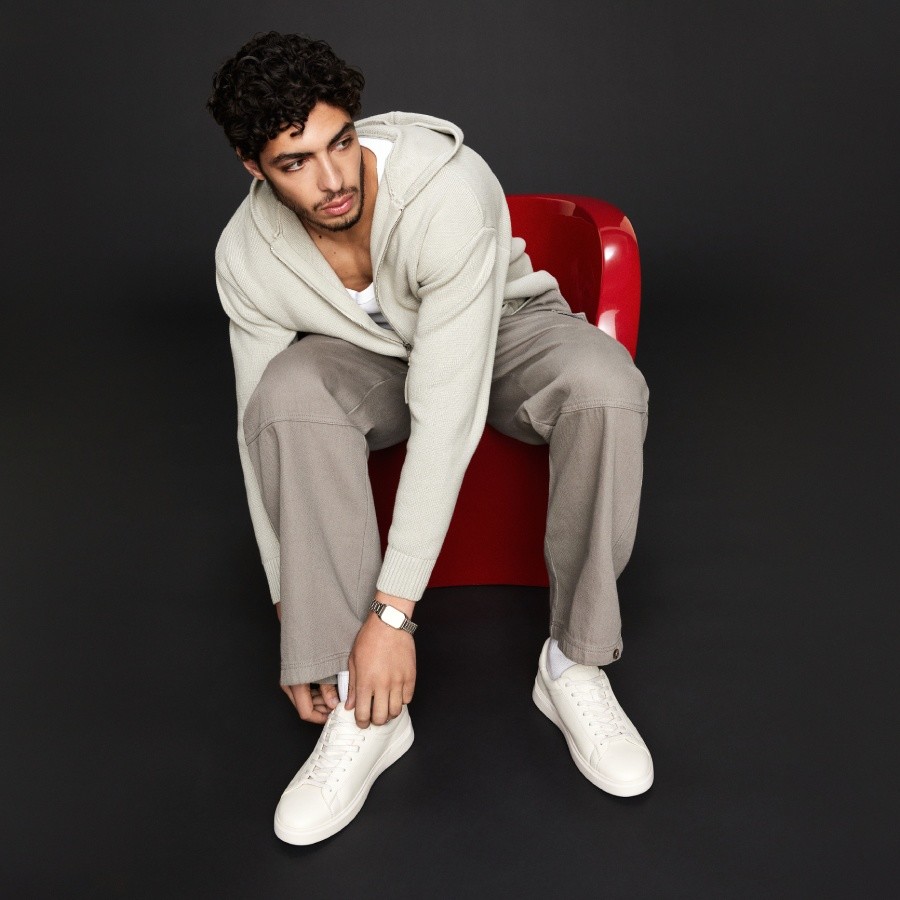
376, 294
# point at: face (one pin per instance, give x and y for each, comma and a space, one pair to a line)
317, 173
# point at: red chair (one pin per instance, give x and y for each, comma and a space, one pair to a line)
496, 535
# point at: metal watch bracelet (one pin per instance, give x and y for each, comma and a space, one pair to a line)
393, 617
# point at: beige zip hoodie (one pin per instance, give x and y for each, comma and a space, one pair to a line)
445, 268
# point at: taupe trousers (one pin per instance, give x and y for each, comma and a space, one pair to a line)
323, 403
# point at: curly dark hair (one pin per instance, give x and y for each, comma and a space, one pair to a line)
273, 82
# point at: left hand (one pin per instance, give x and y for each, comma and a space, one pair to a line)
382, 667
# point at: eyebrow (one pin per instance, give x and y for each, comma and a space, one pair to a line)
282, 157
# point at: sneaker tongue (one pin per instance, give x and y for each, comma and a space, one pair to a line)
341, 714
579, 672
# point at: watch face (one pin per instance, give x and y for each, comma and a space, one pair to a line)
392, 616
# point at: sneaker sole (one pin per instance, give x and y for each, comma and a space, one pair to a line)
303, 836
618, 788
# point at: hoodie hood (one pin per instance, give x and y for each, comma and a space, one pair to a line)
422, 146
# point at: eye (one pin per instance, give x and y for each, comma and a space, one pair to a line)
346, 142
294, 166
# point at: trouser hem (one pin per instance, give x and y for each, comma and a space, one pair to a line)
585, 654
321, 671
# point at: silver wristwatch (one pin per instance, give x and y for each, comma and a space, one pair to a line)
393, 616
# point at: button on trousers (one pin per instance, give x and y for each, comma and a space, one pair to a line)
323, 404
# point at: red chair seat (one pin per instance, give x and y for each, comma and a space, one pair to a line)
496, 535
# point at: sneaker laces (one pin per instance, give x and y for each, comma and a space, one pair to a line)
602, 712
339, 739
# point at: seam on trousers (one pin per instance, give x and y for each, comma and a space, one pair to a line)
627, 525
366, 395
587, 647
301, 667
531, 422
614, 404
365, 475
321, 420
554, 576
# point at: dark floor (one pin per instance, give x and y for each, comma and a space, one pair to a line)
149, 742
144, 740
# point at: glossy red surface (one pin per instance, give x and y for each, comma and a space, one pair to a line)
496, 535
590, 247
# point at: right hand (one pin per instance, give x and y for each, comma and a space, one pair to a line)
313, 702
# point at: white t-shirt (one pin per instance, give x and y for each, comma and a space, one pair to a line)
366, 297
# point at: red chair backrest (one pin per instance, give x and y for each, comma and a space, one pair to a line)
563, 243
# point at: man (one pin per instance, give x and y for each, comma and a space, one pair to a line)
376, 294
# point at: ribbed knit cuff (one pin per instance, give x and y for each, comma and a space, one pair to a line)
273, 574
404, 576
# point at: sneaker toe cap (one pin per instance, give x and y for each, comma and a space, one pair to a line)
624, 761
303, 807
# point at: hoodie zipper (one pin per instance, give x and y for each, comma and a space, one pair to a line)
407, 346
399, 339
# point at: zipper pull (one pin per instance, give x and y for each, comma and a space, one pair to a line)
406, 380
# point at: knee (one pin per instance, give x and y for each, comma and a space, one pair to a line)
630, 384
607, 376
287, 388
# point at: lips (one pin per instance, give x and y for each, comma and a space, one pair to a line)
339, 207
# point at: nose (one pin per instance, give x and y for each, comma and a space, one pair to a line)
330, 179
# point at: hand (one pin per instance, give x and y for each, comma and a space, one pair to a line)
382, 668
312, 701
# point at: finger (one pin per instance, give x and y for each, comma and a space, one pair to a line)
395, 702
409, 688
363, 707
303, 699
320, 704
351, 687
380, 706
286, 688
317, 693
330, 695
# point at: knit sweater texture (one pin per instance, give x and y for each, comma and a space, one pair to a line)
445, 268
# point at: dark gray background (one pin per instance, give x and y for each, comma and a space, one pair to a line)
145, 740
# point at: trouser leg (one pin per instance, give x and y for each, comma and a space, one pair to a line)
321, 405
560, 380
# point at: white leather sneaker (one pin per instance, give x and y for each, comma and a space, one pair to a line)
331, 787
604, 743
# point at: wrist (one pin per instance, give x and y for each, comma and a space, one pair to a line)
407, 607
392, 616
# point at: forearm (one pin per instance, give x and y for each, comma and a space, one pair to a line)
449, 383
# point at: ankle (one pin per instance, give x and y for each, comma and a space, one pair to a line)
557, 661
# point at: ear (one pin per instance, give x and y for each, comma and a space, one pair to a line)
251, 166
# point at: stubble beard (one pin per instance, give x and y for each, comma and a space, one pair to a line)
308, 219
